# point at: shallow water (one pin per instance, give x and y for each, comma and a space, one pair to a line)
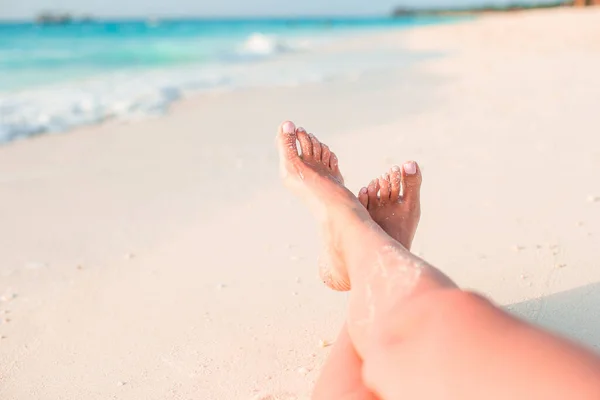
53, 78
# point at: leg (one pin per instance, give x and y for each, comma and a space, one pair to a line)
399, 216
400, 307
341, 378
320, 185
378, 268
458, 345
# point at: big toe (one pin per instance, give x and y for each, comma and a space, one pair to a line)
363, 197
286, 141
411, 183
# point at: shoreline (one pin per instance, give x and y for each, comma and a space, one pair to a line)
163, 259
252, 60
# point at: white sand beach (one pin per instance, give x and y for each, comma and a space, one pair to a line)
163, 259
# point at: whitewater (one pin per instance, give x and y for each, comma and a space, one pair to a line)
55, 78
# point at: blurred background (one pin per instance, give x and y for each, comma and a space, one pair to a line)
69, 63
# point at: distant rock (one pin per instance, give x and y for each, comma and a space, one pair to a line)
48, 18
403, 12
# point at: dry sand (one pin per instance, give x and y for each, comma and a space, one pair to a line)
163, 260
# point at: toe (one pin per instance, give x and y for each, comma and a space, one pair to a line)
316, 147
395, 179
384, 188
411, 183
363, 197
372, 191
305, 143
325, 155
286, 140
334, 163
335, 168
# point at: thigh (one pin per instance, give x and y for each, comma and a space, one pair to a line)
458, 345
341, 377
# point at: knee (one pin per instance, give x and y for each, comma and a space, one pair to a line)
426, 330
435, 313
458, 305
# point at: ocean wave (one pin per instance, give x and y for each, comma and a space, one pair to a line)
65, 107
263, 45
139, 93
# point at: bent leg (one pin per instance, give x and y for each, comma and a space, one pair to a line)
405, 315
341, 378
399, 216
458, 345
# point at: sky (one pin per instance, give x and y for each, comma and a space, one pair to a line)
26, 9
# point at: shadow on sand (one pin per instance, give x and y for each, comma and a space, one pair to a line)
574, 313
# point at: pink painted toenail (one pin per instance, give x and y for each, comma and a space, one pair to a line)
301, 129
396, 168
363, 191
410, 168
289, 128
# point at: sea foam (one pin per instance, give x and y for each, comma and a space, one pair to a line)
259, 60
127, 95
57, 78
264, 45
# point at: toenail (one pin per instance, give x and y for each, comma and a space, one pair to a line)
301, 129
396, 168
410, 168
289, 128
363, 190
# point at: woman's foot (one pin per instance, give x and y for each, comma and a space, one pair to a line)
383, 273
397, 209
314, 175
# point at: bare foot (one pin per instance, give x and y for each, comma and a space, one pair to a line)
315, 176
397, 209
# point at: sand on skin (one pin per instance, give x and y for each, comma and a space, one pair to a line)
154, 261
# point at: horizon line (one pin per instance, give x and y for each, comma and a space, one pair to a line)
109, 18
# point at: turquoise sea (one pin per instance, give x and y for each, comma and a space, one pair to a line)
55, 77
